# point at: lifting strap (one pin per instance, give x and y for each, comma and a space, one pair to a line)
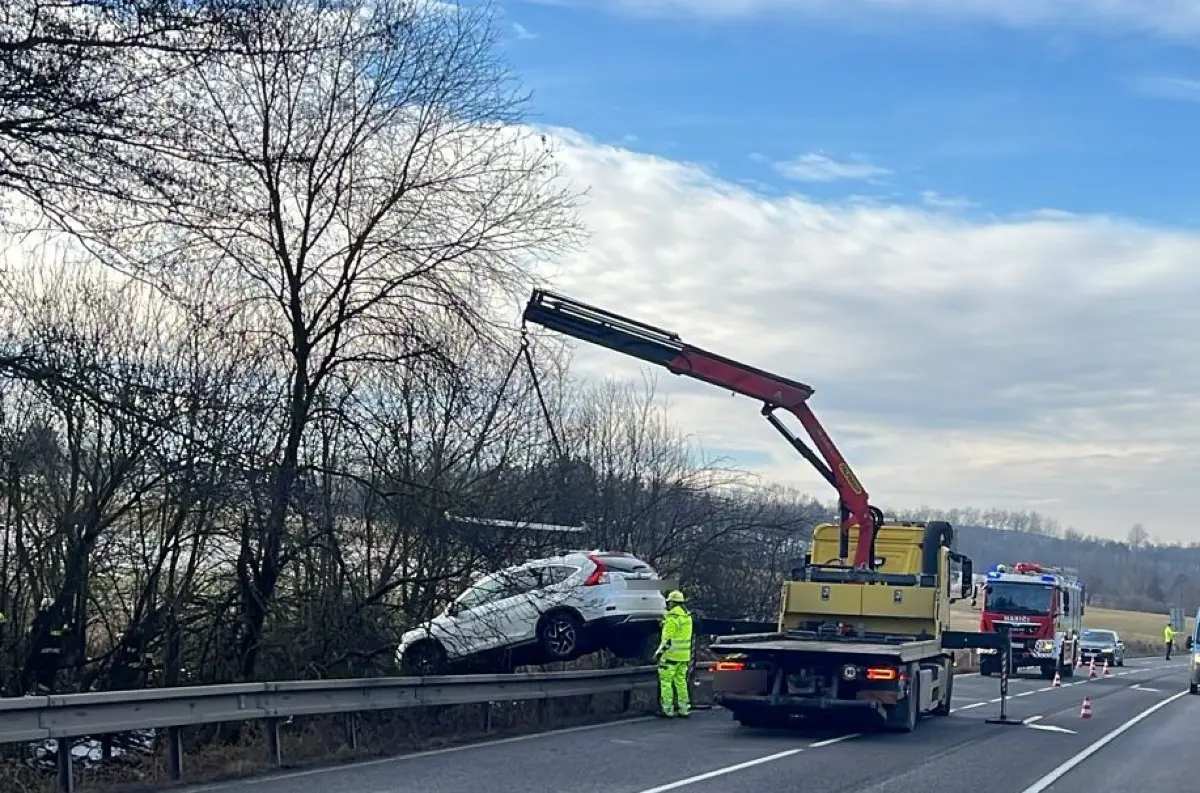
522, 353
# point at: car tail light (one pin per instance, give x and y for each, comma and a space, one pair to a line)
881, 673
729, 666
599, 575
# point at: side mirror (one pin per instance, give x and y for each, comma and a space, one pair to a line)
1190, 642
968, 580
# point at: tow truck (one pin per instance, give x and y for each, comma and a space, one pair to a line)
1042, 607
863, 624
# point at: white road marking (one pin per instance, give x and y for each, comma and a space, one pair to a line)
1051, 728
1058, 773
1031, 720
1140, 687
968, 707
691, 780
831, 741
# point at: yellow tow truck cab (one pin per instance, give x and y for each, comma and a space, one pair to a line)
872, 642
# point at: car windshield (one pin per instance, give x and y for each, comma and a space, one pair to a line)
1100, 637
1006, 597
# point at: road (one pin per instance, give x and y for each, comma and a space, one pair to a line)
1054, 751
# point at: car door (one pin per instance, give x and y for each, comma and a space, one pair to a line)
529, 596
469, 629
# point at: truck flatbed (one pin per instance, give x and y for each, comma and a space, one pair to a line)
915, 650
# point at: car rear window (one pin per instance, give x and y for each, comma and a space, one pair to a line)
626, 564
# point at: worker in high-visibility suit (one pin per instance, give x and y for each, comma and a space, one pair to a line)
1169, 639
674, 657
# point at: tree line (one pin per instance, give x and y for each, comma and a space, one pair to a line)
257, 357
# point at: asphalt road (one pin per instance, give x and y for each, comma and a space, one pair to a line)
1054, 751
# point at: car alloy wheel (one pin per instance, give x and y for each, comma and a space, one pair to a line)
560, 636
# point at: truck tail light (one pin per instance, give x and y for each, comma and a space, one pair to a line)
881, 673
729, 666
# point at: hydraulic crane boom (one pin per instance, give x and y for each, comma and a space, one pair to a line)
666, 349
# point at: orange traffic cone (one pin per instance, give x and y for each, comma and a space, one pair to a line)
1057, 681
1106, 672
1092, 668
1079, 660
1086, 713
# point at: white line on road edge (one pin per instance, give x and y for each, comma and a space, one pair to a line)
1058, 773
721, 771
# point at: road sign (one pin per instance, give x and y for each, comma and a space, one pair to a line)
1177, 618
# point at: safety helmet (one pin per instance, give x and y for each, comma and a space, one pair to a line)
675, 597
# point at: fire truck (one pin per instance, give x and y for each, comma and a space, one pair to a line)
1043, 609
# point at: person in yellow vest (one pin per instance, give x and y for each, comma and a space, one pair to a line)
674, 657
1169, 639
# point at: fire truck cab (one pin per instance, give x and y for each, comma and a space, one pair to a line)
1043, 609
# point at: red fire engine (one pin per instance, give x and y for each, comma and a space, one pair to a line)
1043, 608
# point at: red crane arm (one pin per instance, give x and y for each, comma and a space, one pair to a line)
666, 349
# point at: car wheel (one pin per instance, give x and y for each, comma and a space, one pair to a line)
1193, 688
424, 658
560, 635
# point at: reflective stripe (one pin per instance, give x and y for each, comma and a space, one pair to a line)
677, 636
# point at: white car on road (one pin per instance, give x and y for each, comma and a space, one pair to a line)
544, 610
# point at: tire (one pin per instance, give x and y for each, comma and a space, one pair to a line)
560, 636
1121, 662
1193, 688
1049, 669
905, 715
426, 657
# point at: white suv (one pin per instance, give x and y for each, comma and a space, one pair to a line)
542, 611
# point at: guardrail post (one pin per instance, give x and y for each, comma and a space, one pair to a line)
175, 753
66, 780
274, 749
543, 711
351, 725
487, 717
627, 699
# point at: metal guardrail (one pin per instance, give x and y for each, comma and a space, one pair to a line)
99, 713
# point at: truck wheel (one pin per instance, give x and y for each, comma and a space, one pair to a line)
943, 708
904, 715
1193, 688
1049, 669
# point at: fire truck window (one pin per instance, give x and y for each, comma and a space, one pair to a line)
1012, 598
1066, 599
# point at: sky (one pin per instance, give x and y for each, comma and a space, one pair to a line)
972, 226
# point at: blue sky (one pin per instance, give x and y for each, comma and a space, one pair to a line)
971, 225
1009, 119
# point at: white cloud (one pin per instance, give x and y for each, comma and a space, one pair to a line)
1044, 362
523, 32
818, 167
1168, 18
935, 200
1178, 88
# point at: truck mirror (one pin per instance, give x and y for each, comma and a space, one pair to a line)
968, 580
1190, 642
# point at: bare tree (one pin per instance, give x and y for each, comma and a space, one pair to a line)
354, 196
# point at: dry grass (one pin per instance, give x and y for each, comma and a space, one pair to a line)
1141, 631
323, 740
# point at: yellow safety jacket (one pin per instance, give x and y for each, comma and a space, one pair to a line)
1168, 634
676, 643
